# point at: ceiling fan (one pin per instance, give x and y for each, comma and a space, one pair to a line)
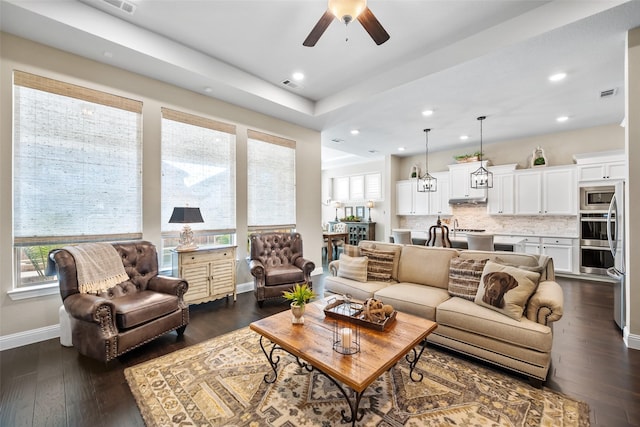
346, 11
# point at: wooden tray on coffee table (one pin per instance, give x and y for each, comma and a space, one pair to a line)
351, 311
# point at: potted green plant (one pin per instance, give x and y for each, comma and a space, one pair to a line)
299, 295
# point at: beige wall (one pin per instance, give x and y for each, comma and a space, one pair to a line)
632, 146
17, 53
559, 149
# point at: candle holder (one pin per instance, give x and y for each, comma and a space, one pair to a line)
346, 338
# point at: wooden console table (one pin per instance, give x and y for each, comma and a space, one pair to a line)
210, 272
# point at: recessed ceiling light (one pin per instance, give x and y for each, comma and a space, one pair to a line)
107, 54
297, 76
355, 131
464, 137
562, 119
401, 148
207, 89
557, 77
427, 113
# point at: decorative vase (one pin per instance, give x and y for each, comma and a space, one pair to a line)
297, 312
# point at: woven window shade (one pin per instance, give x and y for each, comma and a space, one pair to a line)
198, 170
77, 163
271, 176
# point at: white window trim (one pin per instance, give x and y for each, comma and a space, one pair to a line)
36, 291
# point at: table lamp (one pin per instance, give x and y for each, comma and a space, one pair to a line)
370, 204
186, 216
337, 205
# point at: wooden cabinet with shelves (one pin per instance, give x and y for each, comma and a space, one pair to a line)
359, 231
210, 272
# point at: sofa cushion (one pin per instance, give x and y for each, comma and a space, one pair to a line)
414, 299
426, 265
283, 274
380, 265
353, 267
467, 316
357, 290
397, 249
464, 277
141, 307
506, 289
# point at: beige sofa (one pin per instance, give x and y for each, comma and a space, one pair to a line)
419, 285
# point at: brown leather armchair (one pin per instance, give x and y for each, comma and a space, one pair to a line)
132, 313
277, 264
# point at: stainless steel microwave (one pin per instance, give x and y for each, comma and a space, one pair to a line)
596, 197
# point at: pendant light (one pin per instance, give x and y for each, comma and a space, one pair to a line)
481, 178
427, 183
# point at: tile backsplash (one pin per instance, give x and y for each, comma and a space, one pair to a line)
475, 216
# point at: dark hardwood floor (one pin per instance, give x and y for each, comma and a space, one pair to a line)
45, 384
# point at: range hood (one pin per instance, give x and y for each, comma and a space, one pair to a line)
469, 201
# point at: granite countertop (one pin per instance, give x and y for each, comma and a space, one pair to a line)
499, 238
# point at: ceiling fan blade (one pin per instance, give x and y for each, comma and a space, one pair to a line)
373, 26
319, 29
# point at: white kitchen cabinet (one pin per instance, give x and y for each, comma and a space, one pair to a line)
601, 165
561, 251
548, 191
460, 181
210, 272
530, 245
501, 198
409, 201
439, 200
597, 172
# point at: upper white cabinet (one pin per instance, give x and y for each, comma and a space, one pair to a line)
602, 165
546, 191
501, 198
409, 201
460, 180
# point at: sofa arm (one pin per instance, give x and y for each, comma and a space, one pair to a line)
93, 309
256, 268
306, 265
168, 285
333, 267
545, 305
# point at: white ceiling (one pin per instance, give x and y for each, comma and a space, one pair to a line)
462, 59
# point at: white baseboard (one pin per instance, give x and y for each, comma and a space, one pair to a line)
244, 287
631, 340
317, 271
32, 336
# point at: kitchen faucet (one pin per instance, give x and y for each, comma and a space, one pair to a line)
455, 226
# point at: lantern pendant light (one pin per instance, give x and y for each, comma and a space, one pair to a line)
427, 183
481, 178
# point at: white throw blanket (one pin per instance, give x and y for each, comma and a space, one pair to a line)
98, 265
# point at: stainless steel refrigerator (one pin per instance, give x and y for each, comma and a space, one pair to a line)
615, 235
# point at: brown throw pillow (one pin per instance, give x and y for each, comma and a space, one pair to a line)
506, 289
464, 277
351, 250
354, 268
380, 265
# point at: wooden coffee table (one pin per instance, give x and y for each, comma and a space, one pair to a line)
313, 343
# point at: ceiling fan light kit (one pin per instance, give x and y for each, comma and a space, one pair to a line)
346, 11
481, 178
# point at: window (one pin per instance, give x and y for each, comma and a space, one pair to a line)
373, 186
271, 176
77, 173
198, 170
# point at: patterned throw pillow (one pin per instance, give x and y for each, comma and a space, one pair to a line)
380, 264
352, 250
354, 268
506, 289
464, 277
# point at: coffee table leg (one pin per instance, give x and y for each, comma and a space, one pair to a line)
353, 405
413, 358
273, 361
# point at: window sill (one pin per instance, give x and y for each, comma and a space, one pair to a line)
34, 291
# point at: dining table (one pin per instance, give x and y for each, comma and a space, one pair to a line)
332, 236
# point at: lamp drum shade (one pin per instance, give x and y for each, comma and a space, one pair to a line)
185, 215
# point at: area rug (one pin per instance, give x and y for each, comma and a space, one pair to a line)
220, 382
